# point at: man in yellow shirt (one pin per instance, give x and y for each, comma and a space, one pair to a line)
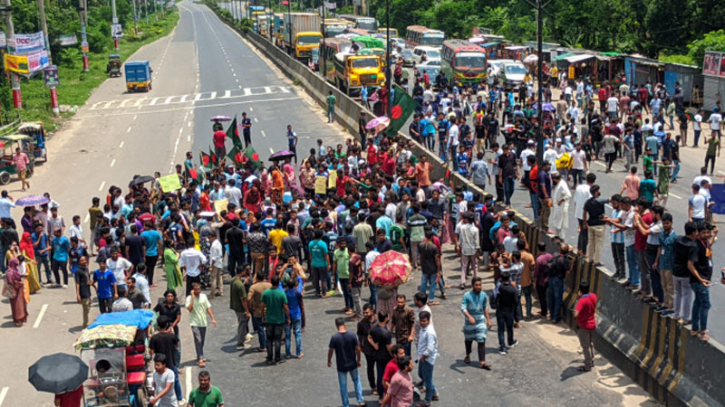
276, 236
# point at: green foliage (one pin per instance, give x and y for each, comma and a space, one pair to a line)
712, 41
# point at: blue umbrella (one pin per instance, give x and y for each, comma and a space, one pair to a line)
32, 200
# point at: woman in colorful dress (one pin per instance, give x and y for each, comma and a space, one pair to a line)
171, 266
31, 265
14, 282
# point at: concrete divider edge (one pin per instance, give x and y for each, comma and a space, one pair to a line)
655, 351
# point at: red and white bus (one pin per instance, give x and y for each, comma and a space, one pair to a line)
417, 35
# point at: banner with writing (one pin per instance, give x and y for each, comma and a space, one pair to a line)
170, 183
28, 43
16, 63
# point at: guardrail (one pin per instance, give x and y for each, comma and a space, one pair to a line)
657, 352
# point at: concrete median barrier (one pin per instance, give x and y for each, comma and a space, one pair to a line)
655, 351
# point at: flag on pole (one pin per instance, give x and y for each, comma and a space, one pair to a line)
330, 5
214, 158
206, 159
403, 107
233, 134
251, 156
236, 155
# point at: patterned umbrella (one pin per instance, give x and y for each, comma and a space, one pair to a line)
221, 119
390, 269
32, 200
378, 123
281, 155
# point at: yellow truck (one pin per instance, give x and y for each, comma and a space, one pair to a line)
302, 34
350, 72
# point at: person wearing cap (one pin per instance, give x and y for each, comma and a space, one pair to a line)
561, 197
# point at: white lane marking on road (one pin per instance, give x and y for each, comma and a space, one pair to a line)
125, 101
251, 109
240, 86
168, 99
103, 184
188, 381
271, 151
235, 75
121, 145
197, 97
227, 94
40, 316
107, 105
721, 172
153, 101
255, 120
128, 130
88, 216
188, 138
264, 134
138, 102
181, 130
676, 196
183, 98
135, 117
199, 107
113, 162
600, 164
267, 89
189, 123
3, 393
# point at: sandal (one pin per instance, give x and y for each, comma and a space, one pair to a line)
467, 360
486, 366
201, 364
694, 333
703, 336
583, 369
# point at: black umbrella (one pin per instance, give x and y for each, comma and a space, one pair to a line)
58, 373
140, 179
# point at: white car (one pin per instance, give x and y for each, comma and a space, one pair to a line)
496, 64
431, 62
512, 75
421, 52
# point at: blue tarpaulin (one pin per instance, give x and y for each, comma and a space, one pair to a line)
140, 318
718, 196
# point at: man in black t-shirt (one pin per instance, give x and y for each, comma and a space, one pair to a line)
381, 340
235, 240
83, 289
430, 261
594, 220
165, 342
346, 348
700, 280
135, 247
686, 255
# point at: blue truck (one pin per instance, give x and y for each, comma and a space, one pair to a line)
138, 76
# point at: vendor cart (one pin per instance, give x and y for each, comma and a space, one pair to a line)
36, 131
7, 166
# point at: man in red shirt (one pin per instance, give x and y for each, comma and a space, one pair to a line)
69, 399
219, 147
584, 312
392, 367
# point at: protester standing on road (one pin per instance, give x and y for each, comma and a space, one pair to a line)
331, 99
557, 272
60, 248
400, 392
363, 330
468, 245
402, 324
582, 194
561, 197
219, 139
276, 315
14, 284
190, 262
700, 280
199, 306
346, 348
258, 308
246, 129
427, 349
104, 281
477, 323
238, 303
163, 380
594, 219
21, 161
83, 288
584, 311
165, 342
381, 340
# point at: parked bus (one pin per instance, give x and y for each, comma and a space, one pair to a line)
416, 35
384, 31
366, 23
328, 51
463, 62
335, 27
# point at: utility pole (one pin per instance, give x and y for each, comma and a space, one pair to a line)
10, 35
115, 21
84, 37
135, 18
322, 30
146, 11
44, 25
540, 80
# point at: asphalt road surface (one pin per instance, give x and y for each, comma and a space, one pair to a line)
204, 69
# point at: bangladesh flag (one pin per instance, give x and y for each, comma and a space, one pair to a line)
206, 159
403, 107
233, 134
214, 158
236, 155
197, 174
251, 156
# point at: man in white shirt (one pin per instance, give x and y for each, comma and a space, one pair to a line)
525, 167
696, 205
581, 196
579, 165
232, 193
697, 126
612, 104
190, 262
574, 112
550, 155
216, 264
715, 120
452, 142
76, 230
120, 267
6, 203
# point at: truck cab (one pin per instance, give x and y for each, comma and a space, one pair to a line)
138, 76
355, 71
304, 42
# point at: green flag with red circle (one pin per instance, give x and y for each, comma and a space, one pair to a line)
403, 107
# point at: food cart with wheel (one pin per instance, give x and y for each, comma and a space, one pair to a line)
36, 131
113, 68
115, 349
7, 166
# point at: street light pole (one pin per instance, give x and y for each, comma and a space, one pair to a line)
324, 62
540, 80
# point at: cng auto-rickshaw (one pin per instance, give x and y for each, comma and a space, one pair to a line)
113, 68
36, 131
119, 374
9, 144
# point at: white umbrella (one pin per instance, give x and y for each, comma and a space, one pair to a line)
531, 59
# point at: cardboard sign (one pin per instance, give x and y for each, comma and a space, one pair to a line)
321, 185
220, 205
332, 181
170, 183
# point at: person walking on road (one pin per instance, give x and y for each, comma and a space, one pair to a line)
190, 262
346, 348
246, 129
276, 315
507, 302
584, 311
713, 151
21, 161
402, 324
427, 353
558, 271
400, 391
163, 383
83, 288
363, 330
700, 280
199, 306
477, 323
257, 306
292, 140
219, 139
331, 100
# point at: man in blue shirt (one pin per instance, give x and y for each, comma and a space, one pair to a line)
154, 243
246, 129
320, 263
292, 141
294, 296
105, 283
42, 250
443, 126
61, 248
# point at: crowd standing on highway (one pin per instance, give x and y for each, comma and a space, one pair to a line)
284, 234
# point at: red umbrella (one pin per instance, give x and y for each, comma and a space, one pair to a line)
390, 269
